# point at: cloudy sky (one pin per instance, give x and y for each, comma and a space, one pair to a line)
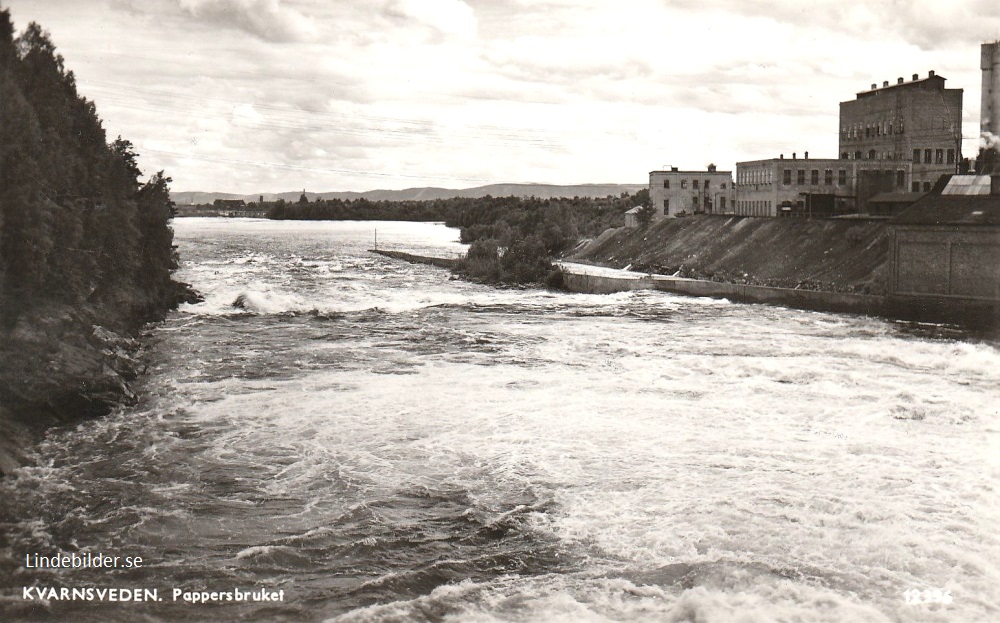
275, 95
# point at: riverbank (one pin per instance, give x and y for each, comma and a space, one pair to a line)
66, 363
808, 254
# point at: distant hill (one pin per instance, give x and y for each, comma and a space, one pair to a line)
542, 191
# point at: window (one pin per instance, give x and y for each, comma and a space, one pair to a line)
927, 156
696, 184
706, 184
938, 156
722, 203
666, 205
828, 177
871, 154
722, 185
915, 187
842, 177
814, 177
666, 183
857, 155
694, 200
951, 156
927, 187
900, 126
916, 156
800, 177
900, 178
684, 183
787, 179
890, 127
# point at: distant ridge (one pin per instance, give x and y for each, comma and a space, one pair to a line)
542, 191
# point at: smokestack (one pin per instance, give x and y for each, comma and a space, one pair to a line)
899, 80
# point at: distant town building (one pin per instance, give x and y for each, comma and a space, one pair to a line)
229, 203
804, 187
680, 193
919, 122
946, 247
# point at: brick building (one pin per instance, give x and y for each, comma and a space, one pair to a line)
919, 122
679, 193
814, 187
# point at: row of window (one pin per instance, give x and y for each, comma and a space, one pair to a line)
876, 128
926, 156
916, 187
696, 184
938, 155
695, 203
753, 208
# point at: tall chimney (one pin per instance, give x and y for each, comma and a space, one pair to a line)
806, 156
793, 155
782, 156
989, 111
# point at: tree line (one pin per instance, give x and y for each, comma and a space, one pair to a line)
77, 224
513, 239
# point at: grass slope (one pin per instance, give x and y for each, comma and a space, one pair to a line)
837, 255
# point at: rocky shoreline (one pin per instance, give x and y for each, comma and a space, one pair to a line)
65, 365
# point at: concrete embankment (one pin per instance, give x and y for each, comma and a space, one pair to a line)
440, 262
582, 278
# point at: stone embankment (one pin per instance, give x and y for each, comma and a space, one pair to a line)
832, 255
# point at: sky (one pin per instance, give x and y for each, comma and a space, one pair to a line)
249, 96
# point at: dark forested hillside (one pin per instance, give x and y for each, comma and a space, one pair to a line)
84, 242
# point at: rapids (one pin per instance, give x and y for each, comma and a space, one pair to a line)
384, 443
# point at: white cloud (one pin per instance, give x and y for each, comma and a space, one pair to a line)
453, 17
266, 19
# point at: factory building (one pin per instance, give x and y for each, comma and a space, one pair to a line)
804, 187
917, 121
945, 249
680, 193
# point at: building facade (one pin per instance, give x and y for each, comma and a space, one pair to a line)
919, 122
804, 187
680, 193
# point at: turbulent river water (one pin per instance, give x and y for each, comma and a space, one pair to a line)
383, 443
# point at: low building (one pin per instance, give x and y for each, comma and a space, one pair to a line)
680, 193
632, 218
804, 187
945, 249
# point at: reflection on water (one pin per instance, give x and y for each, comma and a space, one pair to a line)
386, 444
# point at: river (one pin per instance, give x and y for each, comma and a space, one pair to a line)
383, 443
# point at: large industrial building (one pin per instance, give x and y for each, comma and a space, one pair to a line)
679, 193
919, 121
804, 187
